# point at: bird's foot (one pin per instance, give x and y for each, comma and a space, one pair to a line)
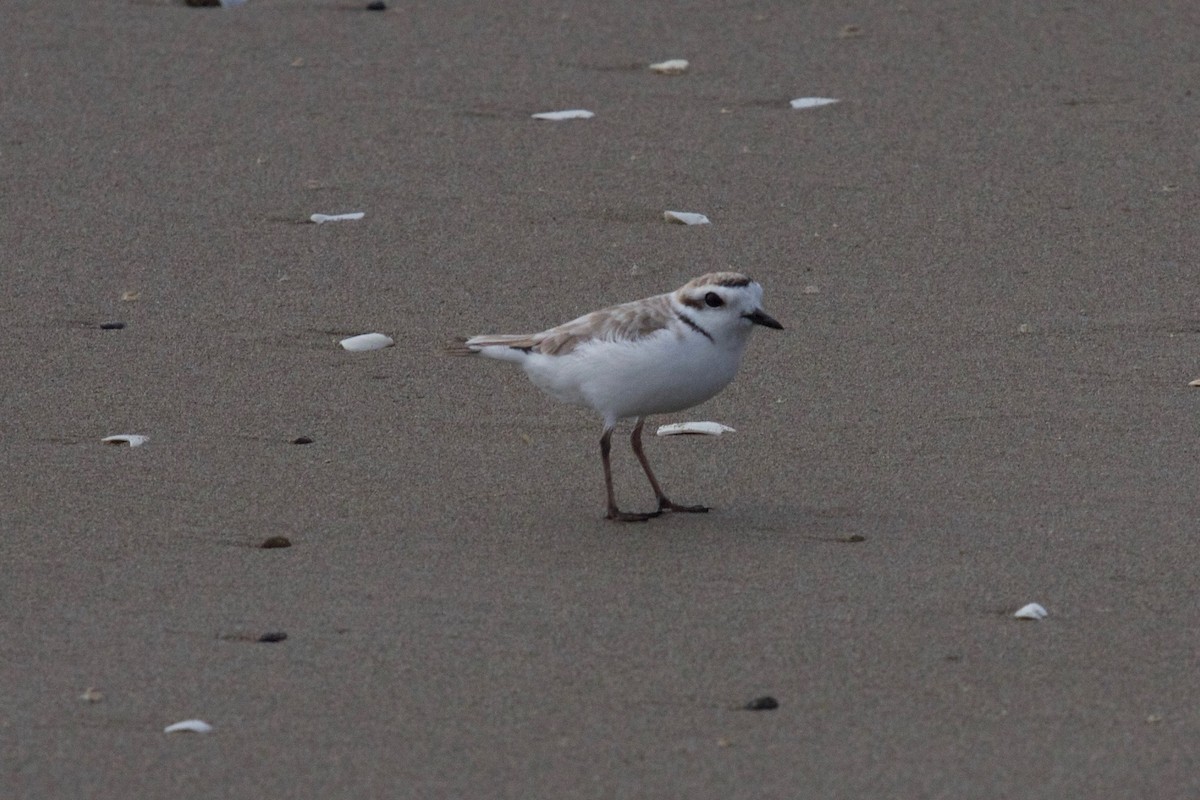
666, 505
616, 515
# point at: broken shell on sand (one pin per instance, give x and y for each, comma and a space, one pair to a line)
558, 116
674, 66
323, 218
1031, 611
367, 341
131, 439
694, 428
189, 726
813, 102
686, 217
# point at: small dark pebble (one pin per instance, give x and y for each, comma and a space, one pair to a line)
764, 703
273, 636
302, 440
276, 541
377, 5
111, 326
203, 3
855, 539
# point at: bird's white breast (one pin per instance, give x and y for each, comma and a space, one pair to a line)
669, 370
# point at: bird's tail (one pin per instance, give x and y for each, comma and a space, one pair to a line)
474, 345
459, 347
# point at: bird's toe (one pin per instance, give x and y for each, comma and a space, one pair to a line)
632, 516
666, 505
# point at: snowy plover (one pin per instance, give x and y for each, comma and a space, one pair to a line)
653, 356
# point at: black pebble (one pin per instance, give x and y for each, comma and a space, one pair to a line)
273, 636
111, 326
276, 541
764, 703
302, 440
377, 5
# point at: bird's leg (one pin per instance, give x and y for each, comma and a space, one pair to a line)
663, 503
614, 513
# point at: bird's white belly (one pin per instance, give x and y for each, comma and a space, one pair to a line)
659, 374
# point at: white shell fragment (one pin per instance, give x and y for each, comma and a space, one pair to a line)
1031, 611
674, 66
813, 102
685, 217
320, 218
367, 341
131, 439
1195, 383
558, 116
189, 726
694, 428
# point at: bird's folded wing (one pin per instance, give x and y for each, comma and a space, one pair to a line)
624, 323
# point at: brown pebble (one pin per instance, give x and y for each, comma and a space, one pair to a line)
764, 703
275, 541
273, 636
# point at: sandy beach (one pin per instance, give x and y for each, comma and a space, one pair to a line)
984, 256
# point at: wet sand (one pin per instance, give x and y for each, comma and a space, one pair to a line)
984, 257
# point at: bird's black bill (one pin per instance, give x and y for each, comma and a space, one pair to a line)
761, 317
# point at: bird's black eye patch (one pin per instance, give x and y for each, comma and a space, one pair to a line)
713, 300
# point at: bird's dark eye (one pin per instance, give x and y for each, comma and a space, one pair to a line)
713, 300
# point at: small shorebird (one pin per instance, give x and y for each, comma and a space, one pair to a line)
653, 356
